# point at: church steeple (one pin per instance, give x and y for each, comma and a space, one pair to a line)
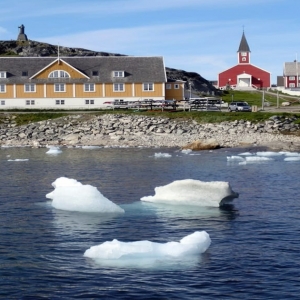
244, 51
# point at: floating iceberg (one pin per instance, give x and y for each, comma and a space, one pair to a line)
18, 159
193, 244
160, 154
69, 194
53, 150
193, 192
292, 158
268, 153
187, 151
235, 158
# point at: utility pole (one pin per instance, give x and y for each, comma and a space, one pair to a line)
263, 100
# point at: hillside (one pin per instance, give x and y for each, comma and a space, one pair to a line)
33, 48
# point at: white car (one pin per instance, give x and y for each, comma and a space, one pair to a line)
239, 106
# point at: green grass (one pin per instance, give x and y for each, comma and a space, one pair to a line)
255, 97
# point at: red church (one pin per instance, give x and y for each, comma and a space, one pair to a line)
244, 75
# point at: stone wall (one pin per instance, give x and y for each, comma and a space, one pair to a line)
142, 131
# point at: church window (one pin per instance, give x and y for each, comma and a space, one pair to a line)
292, 77
244, 59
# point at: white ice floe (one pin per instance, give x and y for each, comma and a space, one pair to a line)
287, 153
235, 158
53, 150
255, 159
90, 147
18, 159
193, 244
292, 158
246, 154
186, 151
193, 192
70, 194
160, 154
268, 153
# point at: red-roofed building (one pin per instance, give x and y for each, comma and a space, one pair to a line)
244, 75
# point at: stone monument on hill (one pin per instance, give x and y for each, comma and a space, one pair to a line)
22, 36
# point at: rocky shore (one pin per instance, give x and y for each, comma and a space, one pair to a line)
277, 133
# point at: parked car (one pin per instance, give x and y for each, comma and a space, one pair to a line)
239, 106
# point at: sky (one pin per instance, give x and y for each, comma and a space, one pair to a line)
199, 36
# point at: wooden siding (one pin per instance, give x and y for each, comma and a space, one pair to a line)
158, 90
67, 94
39, 91
80, 93
177, 94
59, 66
9, 92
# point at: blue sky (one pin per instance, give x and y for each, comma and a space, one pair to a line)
200, 36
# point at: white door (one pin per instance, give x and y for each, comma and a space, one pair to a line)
244, 82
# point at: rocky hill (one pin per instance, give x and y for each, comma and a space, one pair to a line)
199, 85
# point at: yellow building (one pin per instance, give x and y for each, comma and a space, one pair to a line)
83, 82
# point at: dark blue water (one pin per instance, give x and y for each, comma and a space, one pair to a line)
255, 250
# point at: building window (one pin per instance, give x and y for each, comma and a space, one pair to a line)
24, 73
59, 87
59, 74
168, 86
95, 73
119, 87
244, 59
29, 87
2, 88
89, 87
59, 102
89, 101
148, 87
30, 102
292, 85
119, 73
244, 53
2, 102
2, 74
292, 77
176, 86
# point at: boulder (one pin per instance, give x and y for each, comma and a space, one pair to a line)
209, 144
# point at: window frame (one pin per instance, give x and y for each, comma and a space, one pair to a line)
148, 87
2, 88
61, 87
2, 102
291, 77
176, 86
31, 88
119, 87
59, 74
59, 102
168, 86
3, 74
87, 87
117, 74
89, 101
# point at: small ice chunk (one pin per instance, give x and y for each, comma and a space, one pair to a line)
53, 150
187, 151
70, 194
193, 244
193, 192
235, 158
160, 154
246, 154
292, 158
268, 153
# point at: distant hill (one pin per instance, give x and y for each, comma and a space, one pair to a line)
33, 48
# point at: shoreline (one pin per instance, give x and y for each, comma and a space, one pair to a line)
133, 131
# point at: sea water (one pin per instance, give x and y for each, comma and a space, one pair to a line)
254, 250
